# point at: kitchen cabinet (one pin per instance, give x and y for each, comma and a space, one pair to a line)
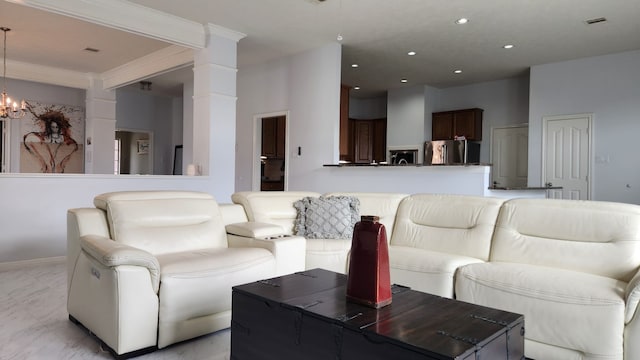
446, 125
273, 137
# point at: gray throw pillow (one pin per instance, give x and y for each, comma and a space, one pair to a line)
331, 217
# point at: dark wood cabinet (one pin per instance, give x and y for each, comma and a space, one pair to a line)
273, 137
369, 140
446, 125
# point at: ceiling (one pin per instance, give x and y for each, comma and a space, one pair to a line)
377, 34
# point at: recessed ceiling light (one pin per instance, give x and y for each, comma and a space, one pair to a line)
411, 53
356, 88
462, 21
508, 46
457, 71
354, 65
403, 80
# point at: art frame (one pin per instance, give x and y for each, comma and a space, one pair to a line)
52, 138
143, 146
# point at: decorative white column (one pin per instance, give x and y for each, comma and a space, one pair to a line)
214, 109
100, 130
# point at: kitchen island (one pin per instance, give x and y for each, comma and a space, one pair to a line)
409, 179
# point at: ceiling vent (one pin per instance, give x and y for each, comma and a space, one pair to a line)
595, 21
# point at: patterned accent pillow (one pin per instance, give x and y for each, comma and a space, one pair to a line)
331, 217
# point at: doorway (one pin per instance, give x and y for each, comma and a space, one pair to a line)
509, 156
566, 144
270, 151
134, 152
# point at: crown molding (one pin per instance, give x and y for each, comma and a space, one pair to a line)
156, 63
213, 29
49, 75
129, 17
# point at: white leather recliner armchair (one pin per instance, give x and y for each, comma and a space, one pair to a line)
147, 269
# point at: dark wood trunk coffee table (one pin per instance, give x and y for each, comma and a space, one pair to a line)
306, 316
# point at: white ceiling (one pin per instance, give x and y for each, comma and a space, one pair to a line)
377, 34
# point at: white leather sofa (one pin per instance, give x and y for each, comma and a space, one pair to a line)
275, 207
149, 269
571, 267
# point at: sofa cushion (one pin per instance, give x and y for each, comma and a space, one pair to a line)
330, 217
160, 222
453, 224
272, 207
195, 287
564, 308
596, 237
423, 270
329, 254
383, 205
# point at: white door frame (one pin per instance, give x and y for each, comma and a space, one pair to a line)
257, 147
545, 121
5, 152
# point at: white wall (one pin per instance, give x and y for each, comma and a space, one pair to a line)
609, 87
33, 208
368, 109
505, 102
308, 86
406, 116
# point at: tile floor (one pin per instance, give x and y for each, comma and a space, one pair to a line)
34, 322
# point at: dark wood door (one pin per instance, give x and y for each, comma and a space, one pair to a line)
269, 136
363, 141
273, 153
273, 137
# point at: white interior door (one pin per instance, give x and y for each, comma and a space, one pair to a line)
567, 149
509, 156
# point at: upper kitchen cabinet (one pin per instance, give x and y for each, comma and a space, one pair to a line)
446, 125
273, 137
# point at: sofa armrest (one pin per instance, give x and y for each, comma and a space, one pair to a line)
289, 251
110, 253
255, 229
632, 297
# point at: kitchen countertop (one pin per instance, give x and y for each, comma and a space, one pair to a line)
525, 188
403, 165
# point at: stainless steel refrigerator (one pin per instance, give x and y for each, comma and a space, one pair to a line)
451, 152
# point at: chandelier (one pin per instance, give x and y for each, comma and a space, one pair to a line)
9, 108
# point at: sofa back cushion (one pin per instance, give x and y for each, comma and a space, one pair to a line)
272, 207
384, 205
596, 237
163, 222
454, 224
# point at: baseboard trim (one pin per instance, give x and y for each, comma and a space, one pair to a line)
22, 264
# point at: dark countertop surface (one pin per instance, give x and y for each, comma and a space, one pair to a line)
403, 165
526, 188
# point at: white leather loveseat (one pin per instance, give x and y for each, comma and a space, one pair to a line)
571, 267
151, 268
